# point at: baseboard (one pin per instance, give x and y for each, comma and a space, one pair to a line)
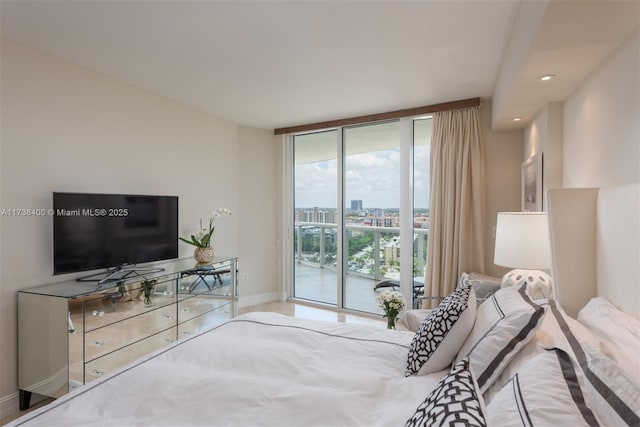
258, 299
9, 405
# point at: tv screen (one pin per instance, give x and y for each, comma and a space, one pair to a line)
94, 231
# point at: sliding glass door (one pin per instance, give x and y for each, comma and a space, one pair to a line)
371, 230
356, 228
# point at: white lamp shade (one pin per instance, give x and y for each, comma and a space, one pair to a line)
522, 240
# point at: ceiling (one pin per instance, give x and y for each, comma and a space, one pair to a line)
271, 64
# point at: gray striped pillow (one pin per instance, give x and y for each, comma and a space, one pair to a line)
546, 391
504, 324
610, 391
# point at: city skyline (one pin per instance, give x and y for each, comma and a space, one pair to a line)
347, 208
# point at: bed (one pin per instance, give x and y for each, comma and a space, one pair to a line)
509, 361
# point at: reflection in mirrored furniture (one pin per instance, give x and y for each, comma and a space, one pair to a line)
69, 334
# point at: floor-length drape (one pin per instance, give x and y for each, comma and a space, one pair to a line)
456, 230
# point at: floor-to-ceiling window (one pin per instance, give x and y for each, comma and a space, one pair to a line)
371, 231
421, 195
315, 216
348, 211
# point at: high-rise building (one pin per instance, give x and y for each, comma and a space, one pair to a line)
356, 205
316, 215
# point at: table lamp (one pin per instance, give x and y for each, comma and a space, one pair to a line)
522, 242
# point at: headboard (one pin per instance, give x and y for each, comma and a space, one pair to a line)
595, 246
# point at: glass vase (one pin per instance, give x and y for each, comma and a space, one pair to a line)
147, 300
391, 322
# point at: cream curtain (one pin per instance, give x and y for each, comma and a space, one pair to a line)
457, 201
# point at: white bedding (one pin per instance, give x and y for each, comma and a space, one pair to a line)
257, 369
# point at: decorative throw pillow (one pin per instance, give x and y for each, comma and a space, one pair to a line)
437, 341
546, 391
504, 324
456, 400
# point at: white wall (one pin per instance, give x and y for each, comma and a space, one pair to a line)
592, 139
602, 123
66, 128
258, 190
502, 152
545, 135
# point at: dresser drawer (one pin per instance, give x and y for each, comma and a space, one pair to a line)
113, 361
110, 338
195, 306
205, 321
101, 312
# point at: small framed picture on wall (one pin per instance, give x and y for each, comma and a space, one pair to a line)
532, 184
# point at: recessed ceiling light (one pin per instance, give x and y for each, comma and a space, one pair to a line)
546, 77
516, 119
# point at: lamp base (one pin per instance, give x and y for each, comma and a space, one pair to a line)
538, 282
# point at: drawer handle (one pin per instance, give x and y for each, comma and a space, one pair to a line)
185, 310
168, 340
98, 372
168, 316
99, 343
186, 333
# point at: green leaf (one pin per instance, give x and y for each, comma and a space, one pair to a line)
195, 241
187, 241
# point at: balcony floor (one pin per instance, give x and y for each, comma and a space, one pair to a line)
319, 284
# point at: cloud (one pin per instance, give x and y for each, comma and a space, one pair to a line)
316, 184
372, 177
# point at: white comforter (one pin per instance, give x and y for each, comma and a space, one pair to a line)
259, 369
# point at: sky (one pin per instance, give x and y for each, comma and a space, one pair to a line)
373, 177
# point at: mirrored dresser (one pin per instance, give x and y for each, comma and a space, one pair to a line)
71, 333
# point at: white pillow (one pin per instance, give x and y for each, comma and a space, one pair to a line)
610, 390
549, 334
613, 395
545, 392
504, 324
412, 319
456, 400
618, 332
437, 341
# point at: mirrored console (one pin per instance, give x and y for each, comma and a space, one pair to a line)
69, 334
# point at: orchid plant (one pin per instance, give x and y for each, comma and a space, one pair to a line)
203, 238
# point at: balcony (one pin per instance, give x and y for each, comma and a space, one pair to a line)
373, 256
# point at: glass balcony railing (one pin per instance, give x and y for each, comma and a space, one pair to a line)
373, 255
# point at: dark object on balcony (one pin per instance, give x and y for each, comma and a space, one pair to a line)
418, 287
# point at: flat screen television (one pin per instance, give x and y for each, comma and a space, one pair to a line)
95, 231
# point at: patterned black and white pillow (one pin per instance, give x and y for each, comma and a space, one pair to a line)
442, 333
456, 400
